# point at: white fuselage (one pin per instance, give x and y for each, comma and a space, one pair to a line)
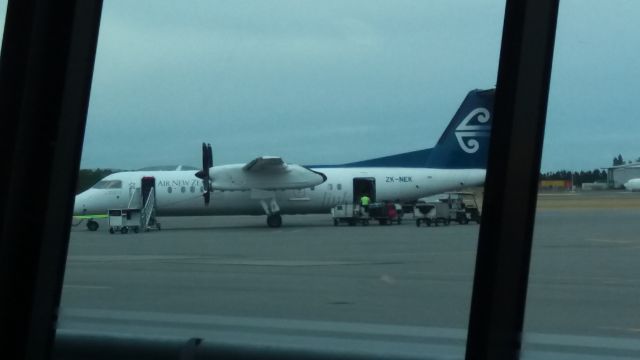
632, 185
179, 193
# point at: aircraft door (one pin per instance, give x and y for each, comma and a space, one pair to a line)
362, 186
147, 184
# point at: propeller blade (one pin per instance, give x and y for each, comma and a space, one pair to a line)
209, 156
207, 163
207, 197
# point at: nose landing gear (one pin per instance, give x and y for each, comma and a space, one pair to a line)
92, 225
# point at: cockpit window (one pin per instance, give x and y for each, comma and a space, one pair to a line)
108, 184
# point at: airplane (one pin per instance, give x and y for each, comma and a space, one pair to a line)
633, 185
267, 185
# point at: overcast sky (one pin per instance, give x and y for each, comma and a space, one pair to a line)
323, 82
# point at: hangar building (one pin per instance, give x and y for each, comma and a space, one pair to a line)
618, 175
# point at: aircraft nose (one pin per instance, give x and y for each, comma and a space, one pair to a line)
79, 206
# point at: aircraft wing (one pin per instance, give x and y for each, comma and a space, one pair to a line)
265, 173
266, 165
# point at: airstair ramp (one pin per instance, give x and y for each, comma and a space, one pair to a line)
149, 212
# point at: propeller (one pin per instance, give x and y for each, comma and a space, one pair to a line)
207, 163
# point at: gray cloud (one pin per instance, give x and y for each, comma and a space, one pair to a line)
295, 78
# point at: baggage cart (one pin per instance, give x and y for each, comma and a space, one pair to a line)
351, 214
385, 213
431, 213
123, 220
463, 207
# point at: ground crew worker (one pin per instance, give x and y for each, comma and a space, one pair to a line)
364, 201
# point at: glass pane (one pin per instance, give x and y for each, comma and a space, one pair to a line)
3, 16
383, 92
584, 288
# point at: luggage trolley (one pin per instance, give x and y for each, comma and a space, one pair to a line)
124, 219
350, 214
431, 213
386, 213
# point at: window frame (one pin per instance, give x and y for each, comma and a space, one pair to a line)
48, 54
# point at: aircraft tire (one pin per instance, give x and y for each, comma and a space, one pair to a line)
92, 225
274, 221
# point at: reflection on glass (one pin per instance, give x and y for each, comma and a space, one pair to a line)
583, 288
108, 184
389, 91
3, 16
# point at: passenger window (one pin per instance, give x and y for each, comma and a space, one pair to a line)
330, 186
183, 189
169, 190
339, 186
193, 189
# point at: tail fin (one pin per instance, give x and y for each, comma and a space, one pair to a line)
464, 144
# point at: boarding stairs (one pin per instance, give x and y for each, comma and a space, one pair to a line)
149, 212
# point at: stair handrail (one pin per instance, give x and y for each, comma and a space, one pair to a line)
133, 195
148, 209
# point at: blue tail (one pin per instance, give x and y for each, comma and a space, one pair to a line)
465, 142
463, 145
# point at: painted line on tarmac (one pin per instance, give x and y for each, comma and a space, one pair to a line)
333, 327
88, 287
109, 258
267, 323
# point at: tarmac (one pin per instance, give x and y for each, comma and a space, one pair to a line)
396, 290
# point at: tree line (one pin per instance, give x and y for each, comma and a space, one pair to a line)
618, 160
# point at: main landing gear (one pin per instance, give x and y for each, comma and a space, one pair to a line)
271, 208
274, 220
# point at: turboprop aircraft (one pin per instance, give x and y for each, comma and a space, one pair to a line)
268, 185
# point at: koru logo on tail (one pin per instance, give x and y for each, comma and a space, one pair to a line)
466, 133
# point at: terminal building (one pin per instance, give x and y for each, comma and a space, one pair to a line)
620, 174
